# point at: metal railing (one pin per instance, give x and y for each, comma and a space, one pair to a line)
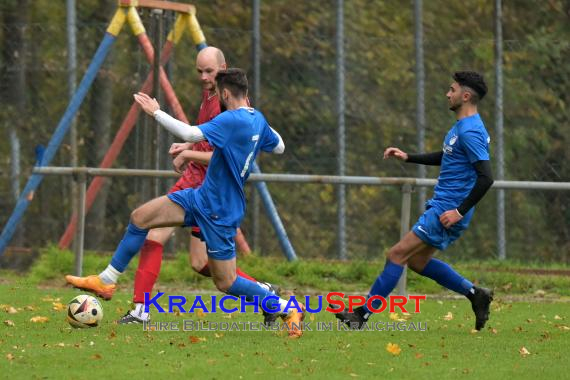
407, 184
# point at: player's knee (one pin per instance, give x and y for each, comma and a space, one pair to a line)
397, 255
197, 266
223, 285
138, 218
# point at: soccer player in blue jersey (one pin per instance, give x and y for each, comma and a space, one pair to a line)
218, 206
464, 179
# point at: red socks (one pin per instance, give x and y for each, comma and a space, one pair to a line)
148, 270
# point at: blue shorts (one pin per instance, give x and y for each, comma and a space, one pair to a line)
219, 239
430, 230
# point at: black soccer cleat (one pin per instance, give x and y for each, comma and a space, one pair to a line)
480, 303
354, 320
269, 319
271, 287
129, 318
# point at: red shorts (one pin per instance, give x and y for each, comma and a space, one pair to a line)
192, 178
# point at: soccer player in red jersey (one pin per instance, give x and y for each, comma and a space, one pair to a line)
191, 160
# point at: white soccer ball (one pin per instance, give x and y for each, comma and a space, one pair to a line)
84, 311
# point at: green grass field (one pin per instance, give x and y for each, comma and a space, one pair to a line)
448, 349
527, 337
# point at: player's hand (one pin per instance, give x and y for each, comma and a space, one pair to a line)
148, 104
450, 217
395, 152
180, 163
177, 148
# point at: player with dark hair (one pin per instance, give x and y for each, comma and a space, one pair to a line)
218, 206
464, 178
190, 159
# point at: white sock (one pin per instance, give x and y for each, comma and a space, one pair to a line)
282, 304
139, 312
110, 275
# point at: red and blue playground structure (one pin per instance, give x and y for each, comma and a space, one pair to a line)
126, 13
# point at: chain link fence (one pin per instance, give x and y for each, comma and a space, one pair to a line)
298, 96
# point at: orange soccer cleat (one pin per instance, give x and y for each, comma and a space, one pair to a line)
92, 284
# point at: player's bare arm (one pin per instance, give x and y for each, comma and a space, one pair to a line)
177, 148
396, 153
182, 160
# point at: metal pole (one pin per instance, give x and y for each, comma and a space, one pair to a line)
404, 228
256, 41
341, 211
71, 19
157, 31
420, 92
501, 239
80, 233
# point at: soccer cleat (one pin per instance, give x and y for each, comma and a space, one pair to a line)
92, 284
480, 303
130, 318
272, 288
294, 321
354, 320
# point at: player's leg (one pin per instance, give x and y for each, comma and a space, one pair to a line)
147, 273
199, 260
423, 263
159, 212
222, 263
398, 256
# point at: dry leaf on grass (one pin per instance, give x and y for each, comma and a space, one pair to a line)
523, 351
448, 316
39, 319
9, 323
393, 348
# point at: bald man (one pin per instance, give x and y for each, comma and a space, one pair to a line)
191, 160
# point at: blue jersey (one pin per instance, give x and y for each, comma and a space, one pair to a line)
466, 143
237, 136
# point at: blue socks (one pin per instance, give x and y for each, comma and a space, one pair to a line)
385, 283
128, 247
245, 287
446, 276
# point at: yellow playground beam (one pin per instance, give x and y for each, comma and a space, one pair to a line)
158, 4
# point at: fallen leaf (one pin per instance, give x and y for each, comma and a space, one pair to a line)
39, 319
11, 310
394, 316
523, 351
419, 355
9, 323
218, 335
96, 356
196, 339
312, 317
557, 317
393, 348
60, 344
353, 375
10, 357
58, 306
494, 331
200, 314
29, 308
448, 316
473, 331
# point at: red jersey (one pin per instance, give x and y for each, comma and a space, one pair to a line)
195, 173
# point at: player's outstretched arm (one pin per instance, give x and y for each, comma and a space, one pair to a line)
181, 161
182, 130
280, 147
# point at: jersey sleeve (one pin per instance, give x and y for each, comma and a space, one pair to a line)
476, 145
218, 130
269, 139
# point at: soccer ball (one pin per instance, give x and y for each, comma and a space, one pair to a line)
84, 311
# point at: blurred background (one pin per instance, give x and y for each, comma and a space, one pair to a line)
375, 72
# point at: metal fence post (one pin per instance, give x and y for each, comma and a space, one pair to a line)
501, 239
341, 189
80, 232
404, 228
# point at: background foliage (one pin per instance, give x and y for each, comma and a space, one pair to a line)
298, 96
